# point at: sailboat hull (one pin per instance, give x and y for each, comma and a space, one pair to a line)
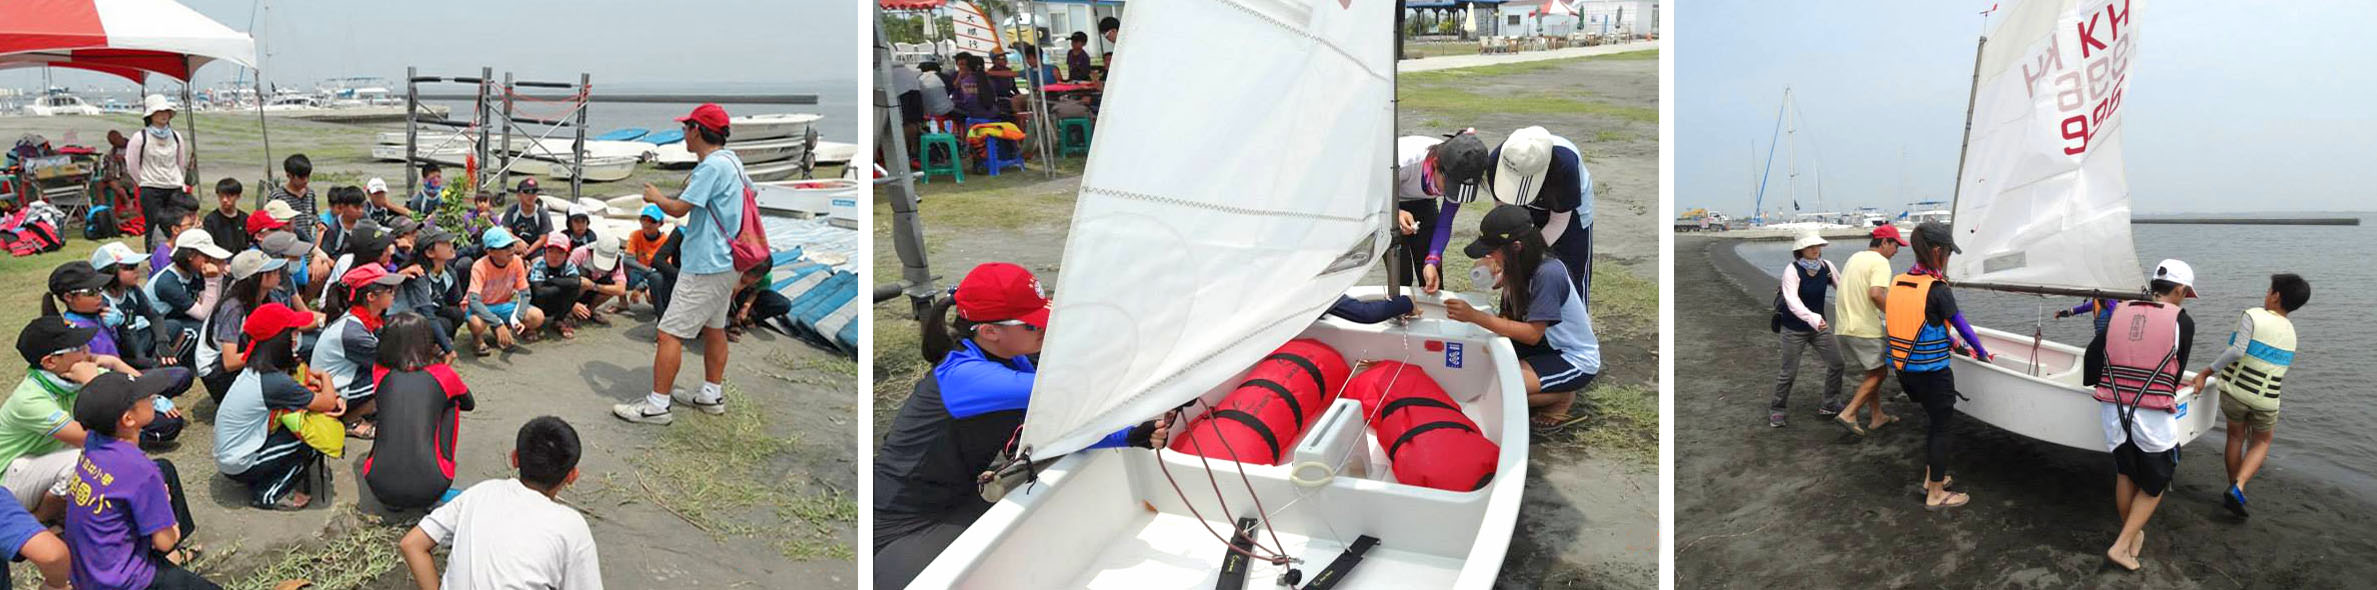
1111, 518
2051, 406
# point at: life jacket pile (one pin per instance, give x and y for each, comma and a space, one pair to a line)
1281, 396
2142, 357
1429, 442
1915, 346
2255, 379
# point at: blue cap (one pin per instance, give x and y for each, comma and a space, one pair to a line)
654, 213
498, 238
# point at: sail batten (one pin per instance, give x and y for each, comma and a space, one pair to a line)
2043, 201
1198, 246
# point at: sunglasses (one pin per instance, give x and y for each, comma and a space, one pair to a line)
73, 350
93, 292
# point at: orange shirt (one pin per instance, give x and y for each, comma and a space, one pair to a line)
645, 249
497, 284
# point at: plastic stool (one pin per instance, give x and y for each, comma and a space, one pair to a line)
946, 147
992, 161
1076, 134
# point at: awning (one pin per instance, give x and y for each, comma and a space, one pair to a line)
910, 4
129, 38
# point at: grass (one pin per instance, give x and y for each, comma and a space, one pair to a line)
24, 280
713, 477
1456, 93
363, 550
1624, 424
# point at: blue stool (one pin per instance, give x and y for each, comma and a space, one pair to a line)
993, 160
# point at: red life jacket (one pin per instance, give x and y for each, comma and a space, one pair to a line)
1281, 396
2142, 357
1429, 442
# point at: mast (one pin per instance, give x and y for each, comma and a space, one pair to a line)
1758, 206
1971, 95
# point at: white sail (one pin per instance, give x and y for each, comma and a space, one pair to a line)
2043, 201
1229, 199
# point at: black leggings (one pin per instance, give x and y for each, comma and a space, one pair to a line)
286, 472
555, 299
905, 544
1936, 390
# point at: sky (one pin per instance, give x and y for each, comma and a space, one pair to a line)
806, 43
2233, 107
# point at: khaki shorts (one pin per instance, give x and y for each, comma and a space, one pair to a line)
699, 301
2237, 411
1864, 354
30, 476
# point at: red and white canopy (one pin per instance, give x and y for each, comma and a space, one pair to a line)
129, 38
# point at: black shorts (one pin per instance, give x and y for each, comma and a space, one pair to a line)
1556, 374
2151, 471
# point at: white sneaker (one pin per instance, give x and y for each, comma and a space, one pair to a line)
693, 400
642, 412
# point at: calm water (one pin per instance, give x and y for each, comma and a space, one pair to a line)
2325, 430
839, 105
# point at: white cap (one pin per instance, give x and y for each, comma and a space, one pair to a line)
1518, 173
198, 239
375, 186
1806, 239
154, 103
2173, 270
114, 253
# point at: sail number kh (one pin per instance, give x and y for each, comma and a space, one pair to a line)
2089, 95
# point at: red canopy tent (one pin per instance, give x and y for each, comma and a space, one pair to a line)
133, 39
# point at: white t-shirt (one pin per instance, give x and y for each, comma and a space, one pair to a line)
505, 535
2157, 430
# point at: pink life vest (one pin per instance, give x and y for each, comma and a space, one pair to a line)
2142, 357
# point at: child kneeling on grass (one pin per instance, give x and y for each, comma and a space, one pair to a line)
129, 518
510, 533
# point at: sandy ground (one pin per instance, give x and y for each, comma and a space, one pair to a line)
1590, 515
1810, 505
773, 482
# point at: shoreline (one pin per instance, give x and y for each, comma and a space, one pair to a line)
1758, 505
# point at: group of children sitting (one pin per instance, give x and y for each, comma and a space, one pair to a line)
305, 332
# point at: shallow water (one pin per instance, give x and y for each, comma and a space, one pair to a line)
2326, 428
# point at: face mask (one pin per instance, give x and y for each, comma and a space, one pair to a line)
160, 132
1483, 277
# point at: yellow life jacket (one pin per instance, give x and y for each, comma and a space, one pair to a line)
2255, 379
1914, 345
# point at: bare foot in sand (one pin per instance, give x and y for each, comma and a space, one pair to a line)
2123, 557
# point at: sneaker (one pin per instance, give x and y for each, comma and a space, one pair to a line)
642, 413
2234, 501
690, 399
1828, 409
1774, 419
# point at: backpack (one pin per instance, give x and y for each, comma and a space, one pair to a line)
749, 247
100, 223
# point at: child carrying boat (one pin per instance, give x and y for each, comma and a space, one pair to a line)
2251, 371
2136, 398
1917, 315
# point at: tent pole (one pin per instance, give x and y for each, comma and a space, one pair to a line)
577, 180
266, 132
907, 234
191, 179
412, 129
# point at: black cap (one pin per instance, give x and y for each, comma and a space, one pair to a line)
1933, 233
403, 225
368, 240
75, 275
433, 235
1500, 227
1463, 161
46, 335
528, 185
104, 400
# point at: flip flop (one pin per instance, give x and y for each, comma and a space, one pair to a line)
1556, 425
1955, 499
1850, 423
1887, 420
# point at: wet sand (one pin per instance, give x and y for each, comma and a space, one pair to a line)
1811, 505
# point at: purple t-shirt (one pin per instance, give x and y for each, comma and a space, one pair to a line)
104, 342
119, 501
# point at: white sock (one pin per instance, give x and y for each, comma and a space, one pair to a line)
710, 393
658, 400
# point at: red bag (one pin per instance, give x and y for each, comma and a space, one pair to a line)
749, 248
1429, 442
1281, 396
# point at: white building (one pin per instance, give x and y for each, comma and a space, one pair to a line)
1605, 17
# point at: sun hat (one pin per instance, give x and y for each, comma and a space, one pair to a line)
253, 262
198, 239
279, 210
152, 104
1808, 239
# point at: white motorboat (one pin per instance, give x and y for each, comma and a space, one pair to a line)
777, 170
58, 104
2038, 213
1182, 270
835, 152
448, 155
832, 198
770, 126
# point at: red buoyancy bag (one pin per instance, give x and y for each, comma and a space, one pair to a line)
1429, 442
1280, 397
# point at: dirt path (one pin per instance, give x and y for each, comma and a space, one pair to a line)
1809, 505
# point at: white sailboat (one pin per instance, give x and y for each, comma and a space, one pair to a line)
1193, 257
2043, 207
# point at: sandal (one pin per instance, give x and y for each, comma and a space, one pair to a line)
1955, 499
1850, 422
1887, 420
363, 430
567, 333
1552, 425
598, 319
289, 504
183, 555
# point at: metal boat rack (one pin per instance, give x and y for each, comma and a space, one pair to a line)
493, 111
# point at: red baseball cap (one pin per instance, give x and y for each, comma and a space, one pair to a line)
557, 240
369, 274
269, 321
710, 116
998, 291
1889, 232
260, 221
